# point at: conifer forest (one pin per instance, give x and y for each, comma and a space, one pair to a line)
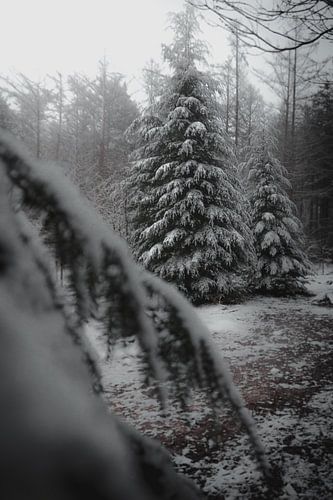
166, 250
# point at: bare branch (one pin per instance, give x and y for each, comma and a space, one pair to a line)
267, 29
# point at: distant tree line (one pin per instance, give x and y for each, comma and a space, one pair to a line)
303, 127
78, 122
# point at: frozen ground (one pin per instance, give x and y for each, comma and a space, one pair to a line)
280, 352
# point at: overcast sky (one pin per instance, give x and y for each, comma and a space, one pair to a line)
40, 37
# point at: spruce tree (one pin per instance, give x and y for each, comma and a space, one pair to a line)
189, 225
278, 236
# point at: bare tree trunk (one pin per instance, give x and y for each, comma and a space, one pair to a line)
286, 120
228, 101
237, 92
188, 39
38, 120
76, 138
293, 116
102, 152
126, 229
249, 127
60, 115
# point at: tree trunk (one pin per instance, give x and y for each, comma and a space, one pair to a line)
228, 101
60, 116
237, 92
293, 116
102, 149
286, 120
38, 120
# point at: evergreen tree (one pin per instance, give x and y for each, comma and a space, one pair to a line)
282, 263
189, 227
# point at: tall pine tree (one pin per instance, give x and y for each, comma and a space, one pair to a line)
282, 263
189, 226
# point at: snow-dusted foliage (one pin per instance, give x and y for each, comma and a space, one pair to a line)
57, 439
48, 407
282, 263
189, 223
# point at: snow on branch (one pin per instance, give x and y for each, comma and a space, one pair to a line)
56, 435
205, 367
108, 285
103, 277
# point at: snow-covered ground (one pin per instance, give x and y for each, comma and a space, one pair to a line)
280, 352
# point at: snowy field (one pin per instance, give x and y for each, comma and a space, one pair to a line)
280, 352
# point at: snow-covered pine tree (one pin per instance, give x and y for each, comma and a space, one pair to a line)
278, 236
188, 219
70, 445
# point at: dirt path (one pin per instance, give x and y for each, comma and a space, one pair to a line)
285, 373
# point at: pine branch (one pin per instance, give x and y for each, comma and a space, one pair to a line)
103, 273
205, 368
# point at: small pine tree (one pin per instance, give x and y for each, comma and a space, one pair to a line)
282, 263
189, 227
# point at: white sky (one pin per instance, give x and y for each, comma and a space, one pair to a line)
39, 37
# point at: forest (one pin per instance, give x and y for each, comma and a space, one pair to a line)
166, 264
